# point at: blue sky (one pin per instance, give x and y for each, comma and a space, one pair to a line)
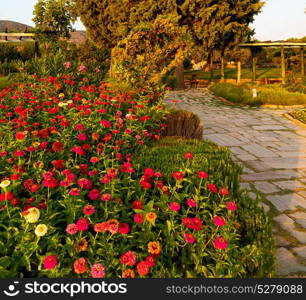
280, 19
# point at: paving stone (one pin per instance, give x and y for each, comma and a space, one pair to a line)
280, 241
223, 139
246, 157
286, 163
290, 184
287, 202
301, 251
238, 150
259, 151
270, 127
296, 154
283, 220
287, 263
245, 186
266, 187
298, 215
270, 175
302, 223
302, 193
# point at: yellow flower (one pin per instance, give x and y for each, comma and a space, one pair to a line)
69, 101
5, 183
151, 217
84, 101
32, 215
41, 229
62, 104
61, 95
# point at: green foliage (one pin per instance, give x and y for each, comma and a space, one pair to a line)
299, 115
21, 51
255, 257
52, 19
273, 94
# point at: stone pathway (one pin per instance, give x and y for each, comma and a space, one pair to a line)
272, 151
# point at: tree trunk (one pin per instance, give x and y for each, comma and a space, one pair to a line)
111, 73
211, 66
179, 74
222, 68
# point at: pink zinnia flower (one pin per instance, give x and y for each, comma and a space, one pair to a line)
174, 206
191, 202
50, 262
124, 228
82, 224
220, 243
81, 68
128, 258
74, 192
88, 210
189, 238
97, 271
71, 229
94, 194
231, 205
106, 197
219, 221
82, 137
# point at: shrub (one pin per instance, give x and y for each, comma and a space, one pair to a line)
299, 115
233, 93
182, 123
274, 95
250, 232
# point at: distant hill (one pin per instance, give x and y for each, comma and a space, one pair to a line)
13, 26
77, 37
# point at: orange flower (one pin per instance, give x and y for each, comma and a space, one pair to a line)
113, 226
80, 266
151, 217
128, 273
154, 248
82, 245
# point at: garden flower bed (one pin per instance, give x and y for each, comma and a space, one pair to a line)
81, 195
299, 115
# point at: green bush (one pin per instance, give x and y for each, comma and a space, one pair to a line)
270, 94
233, 93
19, 51
254, 255
299, 115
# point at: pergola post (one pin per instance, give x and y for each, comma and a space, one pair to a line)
283, 65
302, 62
253, 66
238, 71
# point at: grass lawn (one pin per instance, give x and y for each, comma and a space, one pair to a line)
232, 73
3, 82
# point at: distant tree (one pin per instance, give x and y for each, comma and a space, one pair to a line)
52, 19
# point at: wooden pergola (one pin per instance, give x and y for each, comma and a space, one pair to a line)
282, 46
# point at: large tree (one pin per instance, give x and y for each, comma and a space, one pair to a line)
212, 24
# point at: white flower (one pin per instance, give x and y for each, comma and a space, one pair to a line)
32, 215
41, 229
5, 183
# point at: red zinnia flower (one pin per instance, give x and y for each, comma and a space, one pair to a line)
189, 238
212, 188
202, 174
80, 266
138, 219
143, 268
188, 155
223, 192
178, 175
82, 224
